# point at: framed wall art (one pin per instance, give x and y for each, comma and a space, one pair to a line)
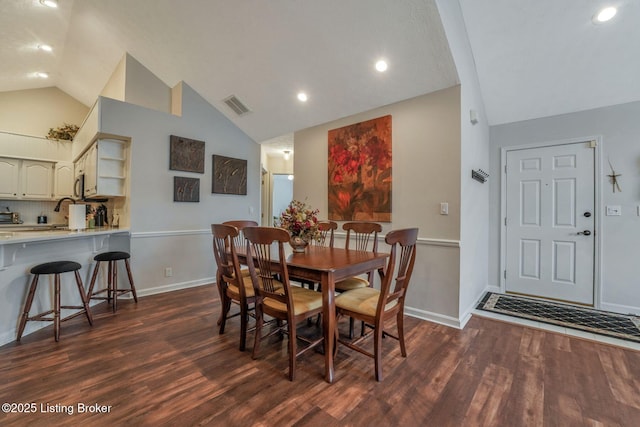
229, 175
186, 154
186, 189
359, 171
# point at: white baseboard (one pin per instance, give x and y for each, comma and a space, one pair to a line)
175, 286
435, 317
494, 289
8, 337
619, 308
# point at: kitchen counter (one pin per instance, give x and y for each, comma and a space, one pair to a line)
24, 234
24, 246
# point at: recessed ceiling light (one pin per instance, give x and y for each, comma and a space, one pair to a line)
50, 3
302, 97
45, 47
381, 66
605, 14
41, 75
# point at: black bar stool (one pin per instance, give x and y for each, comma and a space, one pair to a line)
56, 268
112, 277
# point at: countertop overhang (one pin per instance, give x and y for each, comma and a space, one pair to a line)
9, 236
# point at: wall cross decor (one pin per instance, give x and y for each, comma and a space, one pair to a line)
614, 178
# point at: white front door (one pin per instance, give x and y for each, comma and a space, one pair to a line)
550, 222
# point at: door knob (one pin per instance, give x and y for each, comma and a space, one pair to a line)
585, 232
587, 214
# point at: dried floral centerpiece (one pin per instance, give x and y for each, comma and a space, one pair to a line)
301, 221
66, 132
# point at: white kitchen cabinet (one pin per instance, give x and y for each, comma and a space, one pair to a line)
91, 171
36, 180
104, 169
26, 179
63, 180
9, 178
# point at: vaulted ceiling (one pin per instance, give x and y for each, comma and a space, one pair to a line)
534, 58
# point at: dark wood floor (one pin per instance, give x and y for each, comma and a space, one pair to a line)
162, 362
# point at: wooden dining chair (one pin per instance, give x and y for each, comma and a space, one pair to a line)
233, 286
239, 240
275, 296
374, 306
361, 236
240, 224
326, 233
326, 239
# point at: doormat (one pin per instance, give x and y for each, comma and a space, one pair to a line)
626, 327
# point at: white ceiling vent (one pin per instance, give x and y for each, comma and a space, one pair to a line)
236, 105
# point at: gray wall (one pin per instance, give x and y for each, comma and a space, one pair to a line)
426, 171
167, 233
619, 128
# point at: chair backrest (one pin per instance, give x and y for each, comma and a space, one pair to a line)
362, 236
224, 251
266, 271
326, 229
399, 268
240, 224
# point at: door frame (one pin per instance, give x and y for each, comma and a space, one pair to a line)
597, 176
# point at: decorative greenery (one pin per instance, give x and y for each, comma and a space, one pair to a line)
66, 132
300, 220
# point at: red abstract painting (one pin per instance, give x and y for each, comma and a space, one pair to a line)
360, 171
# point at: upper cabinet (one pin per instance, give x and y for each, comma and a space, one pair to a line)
9, 178
63, 180
104, 169
36, 180
26, 179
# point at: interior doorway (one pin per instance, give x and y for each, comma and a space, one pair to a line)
282, 193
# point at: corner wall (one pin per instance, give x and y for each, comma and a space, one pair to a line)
426, 171
474, 154
165, 233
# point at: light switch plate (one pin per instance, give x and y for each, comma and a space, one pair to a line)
614, 210
444, 208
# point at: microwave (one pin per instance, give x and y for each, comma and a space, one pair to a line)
78, 187
78, 191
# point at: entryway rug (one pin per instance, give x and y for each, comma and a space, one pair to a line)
626, 327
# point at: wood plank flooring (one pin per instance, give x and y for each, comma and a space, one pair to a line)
161, 362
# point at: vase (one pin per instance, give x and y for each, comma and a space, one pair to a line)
298, 244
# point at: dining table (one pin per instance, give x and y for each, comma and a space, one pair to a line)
326, 266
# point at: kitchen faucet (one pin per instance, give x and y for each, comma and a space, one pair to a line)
57, 208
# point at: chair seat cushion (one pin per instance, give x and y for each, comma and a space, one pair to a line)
112, 256
362, 300
56, 267
304, 300
232, 289
351, 283
234, 292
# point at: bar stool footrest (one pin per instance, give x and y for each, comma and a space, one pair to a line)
41, 316
71, 316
